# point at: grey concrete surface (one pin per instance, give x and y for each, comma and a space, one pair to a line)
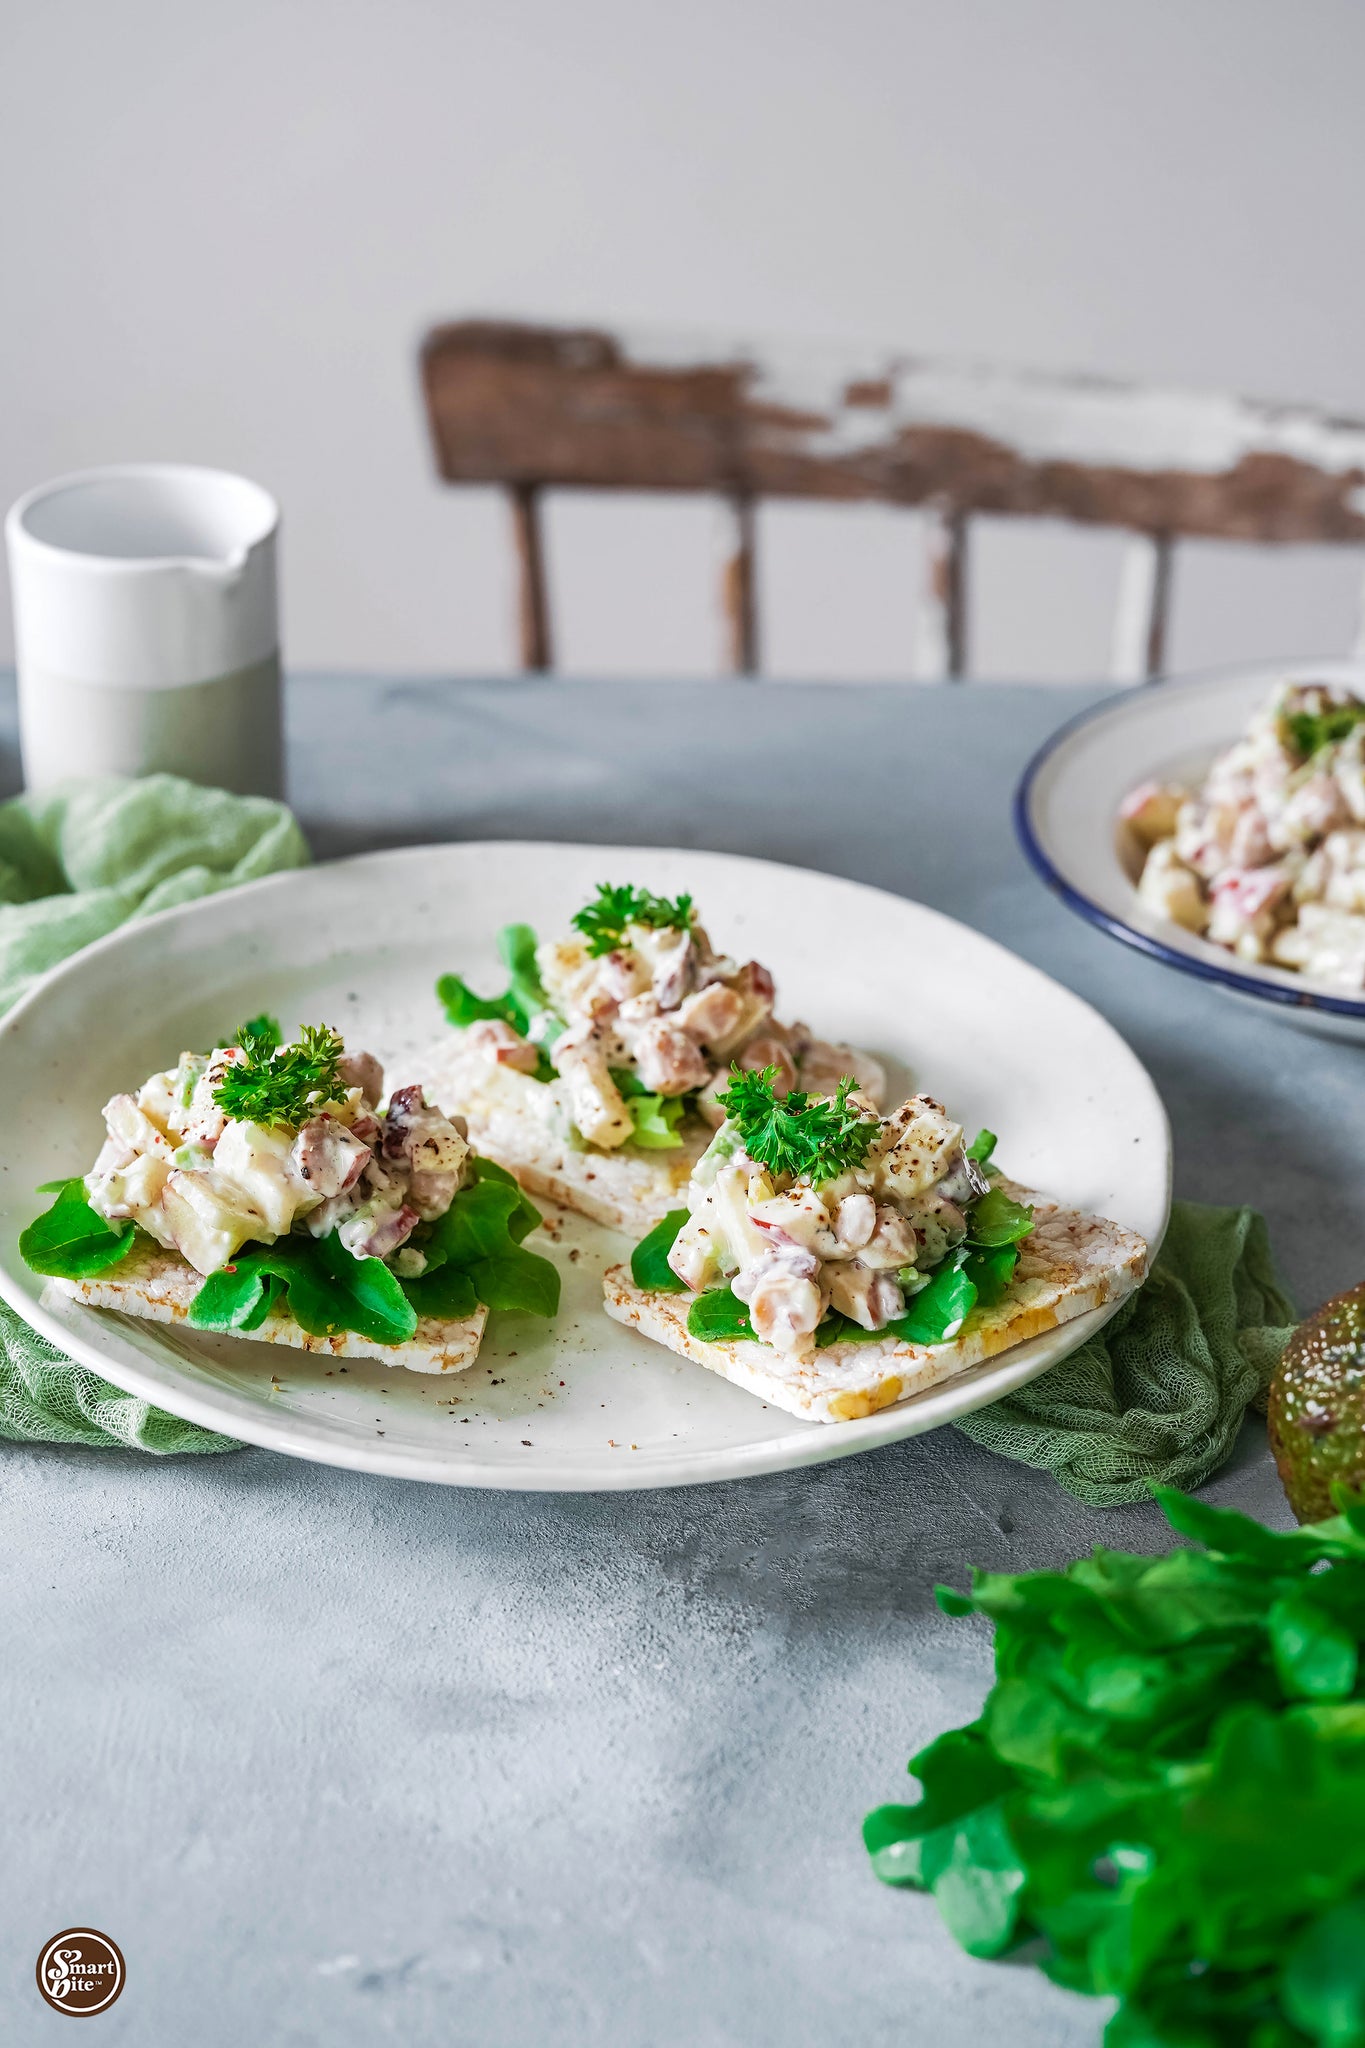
340, 1760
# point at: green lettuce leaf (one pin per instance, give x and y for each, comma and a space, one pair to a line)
649, 1267
836, 1328
656, 1119
463, 1007
328, 1291
524, 999
445, 1293
893, 1843
719, 1314
239, 1297
517, 951
976, 1876
375, 1304
1316, 1655
990, 1272
482, 1221
982, 1149
936, 1314
1229, 1534
995, 1219
480, 1236
1324, 1978
70, 1239
1162, 1800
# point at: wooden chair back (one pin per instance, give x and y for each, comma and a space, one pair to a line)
533, 408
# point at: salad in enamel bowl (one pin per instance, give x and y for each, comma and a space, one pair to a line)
273, 1191
596, 1078
1266, 857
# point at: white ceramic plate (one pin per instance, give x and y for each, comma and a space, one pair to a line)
1067, 806
585, 1404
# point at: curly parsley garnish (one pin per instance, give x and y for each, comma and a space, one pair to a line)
260, 1035
281, 1085
814, 1137
1311, 731
603, 923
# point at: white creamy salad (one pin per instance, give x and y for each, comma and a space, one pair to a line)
635, 1020
813, 1220
252, 1141
1267, 856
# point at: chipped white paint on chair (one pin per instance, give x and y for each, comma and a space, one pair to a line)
535, 407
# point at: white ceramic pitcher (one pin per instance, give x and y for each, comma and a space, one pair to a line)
146, 628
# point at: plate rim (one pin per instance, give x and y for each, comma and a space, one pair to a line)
1075, 897
802, 1444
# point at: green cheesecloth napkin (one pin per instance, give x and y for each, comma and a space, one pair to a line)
77, 862
1158, 1395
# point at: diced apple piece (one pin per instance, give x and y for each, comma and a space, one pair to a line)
207, 1220
785, 1308
734, 1225
694, 1257
594, 1099
1151, 810
1170, 889
131, 1190
133, 1126
754, 987
866, 1298
918, 1145
156, 1098
567, 970
258, 1162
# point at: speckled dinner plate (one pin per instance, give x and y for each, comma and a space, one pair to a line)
583, 1404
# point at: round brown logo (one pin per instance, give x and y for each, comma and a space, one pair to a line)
80, 1972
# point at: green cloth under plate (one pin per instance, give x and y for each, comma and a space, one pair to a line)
75, 863
44, 1398
1159, 1395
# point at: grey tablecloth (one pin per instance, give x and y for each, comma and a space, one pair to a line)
343, 1760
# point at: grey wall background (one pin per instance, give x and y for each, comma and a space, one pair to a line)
225, 230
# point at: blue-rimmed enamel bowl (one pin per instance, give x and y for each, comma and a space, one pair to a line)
1066, 812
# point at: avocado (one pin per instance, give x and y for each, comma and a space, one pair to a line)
1316, 1411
